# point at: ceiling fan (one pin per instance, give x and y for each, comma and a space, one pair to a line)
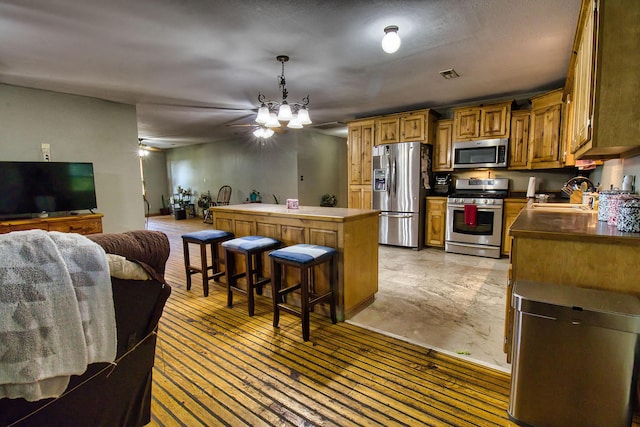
260, 131
144, 149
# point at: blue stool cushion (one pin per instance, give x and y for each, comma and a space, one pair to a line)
302, 253
248, 243
205, 235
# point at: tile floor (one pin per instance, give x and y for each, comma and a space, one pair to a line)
449, 302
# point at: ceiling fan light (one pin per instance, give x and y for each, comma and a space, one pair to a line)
303, 116
273, 121
268, 133
284, 113
259, 133
391, 40
263, 114
294, 123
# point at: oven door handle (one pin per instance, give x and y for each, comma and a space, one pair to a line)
480, 207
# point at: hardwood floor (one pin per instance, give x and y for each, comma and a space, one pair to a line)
218, 366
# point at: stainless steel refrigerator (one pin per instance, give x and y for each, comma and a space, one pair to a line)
401, 178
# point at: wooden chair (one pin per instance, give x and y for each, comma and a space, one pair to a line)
224, 194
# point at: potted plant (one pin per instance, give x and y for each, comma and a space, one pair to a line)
329, 200
204, 202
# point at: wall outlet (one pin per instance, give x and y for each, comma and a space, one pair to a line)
45, 149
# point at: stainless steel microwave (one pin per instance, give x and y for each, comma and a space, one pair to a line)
488, 153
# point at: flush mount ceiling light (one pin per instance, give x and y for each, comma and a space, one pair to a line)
391, 40
296, 113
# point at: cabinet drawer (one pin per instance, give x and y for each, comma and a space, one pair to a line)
89, 226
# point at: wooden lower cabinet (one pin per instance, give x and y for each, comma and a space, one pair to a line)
81, 224
512, 208
436, 221
360, 197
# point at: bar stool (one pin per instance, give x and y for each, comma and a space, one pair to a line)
305, 258
252, 248
204, 238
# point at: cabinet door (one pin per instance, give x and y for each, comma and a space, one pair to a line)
388, 130
519, 142
355, 154
494, 120
366, 146
581, 96
545, 134
412, 128
436, 221
360, 197
443, 146
466, 124
511, 211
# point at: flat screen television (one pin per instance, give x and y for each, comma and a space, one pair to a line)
28, 188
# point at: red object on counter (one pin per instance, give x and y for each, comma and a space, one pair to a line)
471, 215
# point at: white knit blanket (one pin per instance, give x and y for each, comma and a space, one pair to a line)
56, 311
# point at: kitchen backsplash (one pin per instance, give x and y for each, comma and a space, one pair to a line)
612, 171
548, 181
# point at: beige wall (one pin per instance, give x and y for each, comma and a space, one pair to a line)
272, 167
79, 129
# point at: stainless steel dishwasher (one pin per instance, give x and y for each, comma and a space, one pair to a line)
575, 354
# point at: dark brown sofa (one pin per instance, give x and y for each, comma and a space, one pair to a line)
104, 395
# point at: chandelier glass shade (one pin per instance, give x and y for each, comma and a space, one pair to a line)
272, 112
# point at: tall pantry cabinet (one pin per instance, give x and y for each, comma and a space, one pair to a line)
360, 144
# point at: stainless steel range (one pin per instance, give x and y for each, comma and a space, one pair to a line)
474, 217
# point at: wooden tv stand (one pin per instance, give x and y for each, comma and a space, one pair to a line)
81, 224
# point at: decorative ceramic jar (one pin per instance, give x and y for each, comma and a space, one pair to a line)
629, 216
613, 207
603, 203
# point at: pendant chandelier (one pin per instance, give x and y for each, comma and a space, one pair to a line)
271, 112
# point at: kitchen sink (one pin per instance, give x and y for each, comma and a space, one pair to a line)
561, 207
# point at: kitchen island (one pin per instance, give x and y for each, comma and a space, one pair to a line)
571, 248
353, 232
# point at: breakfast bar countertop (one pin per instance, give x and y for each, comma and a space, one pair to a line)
314, 212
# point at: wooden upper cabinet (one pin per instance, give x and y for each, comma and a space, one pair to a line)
482, 122
360, 143
388, 130
494, 120
412, 127
603, 80
581, 96
443, 146
545, 132
466, 124
519, 140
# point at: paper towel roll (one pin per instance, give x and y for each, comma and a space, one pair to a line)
531, 190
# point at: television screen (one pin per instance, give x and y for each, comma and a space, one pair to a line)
35, 187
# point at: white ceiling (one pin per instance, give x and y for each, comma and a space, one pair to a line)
192, 67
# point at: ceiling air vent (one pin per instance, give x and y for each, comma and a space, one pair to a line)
449, 74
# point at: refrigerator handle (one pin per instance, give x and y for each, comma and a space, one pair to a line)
395, 181
389, 176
